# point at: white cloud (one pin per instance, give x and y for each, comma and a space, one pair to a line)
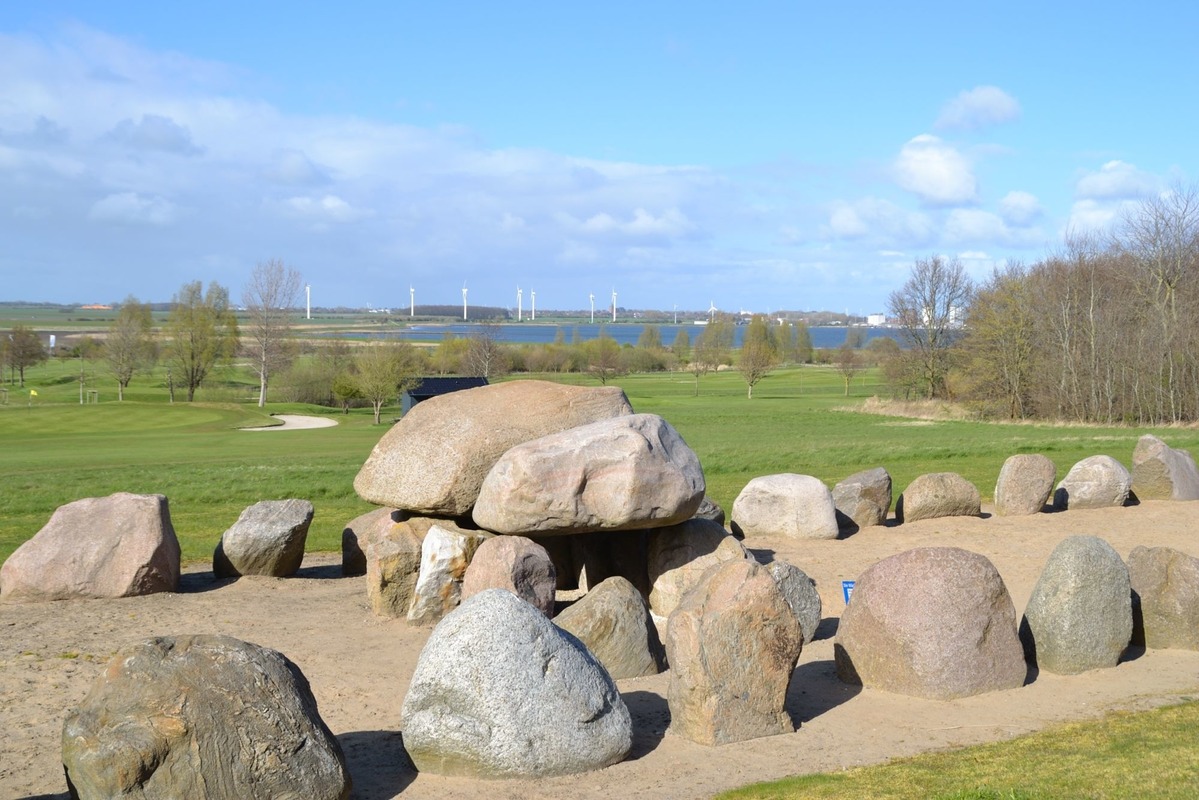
936, 172
972, 225
1087, 216
295, 168
1116, 180
131, 208
879, 219
1020, 208
980, 107
640, 225
154, 132
329, 208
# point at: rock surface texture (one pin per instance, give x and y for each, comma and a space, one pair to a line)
267, 539
517, 564
1159, 472
624, 473
1166, 584
933, 622
445, 554
678, 556
1024, 485
354, 536
434, 460
938, 494
863, 499
800, 593
117, 546
393, 558
201, 717
732, 645
799, 506
499, 691
1080, 614
613, 621
1094, 482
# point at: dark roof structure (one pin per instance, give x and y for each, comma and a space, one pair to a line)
432, 387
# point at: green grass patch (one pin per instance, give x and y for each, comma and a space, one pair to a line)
1149, 754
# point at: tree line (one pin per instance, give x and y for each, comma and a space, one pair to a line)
1104, 330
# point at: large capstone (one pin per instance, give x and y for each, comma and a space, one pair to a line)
624, 473
933, 622
117, 546
267, 539
434, 460
796, 506
499, 691
1080, 614
203, 717
732, 645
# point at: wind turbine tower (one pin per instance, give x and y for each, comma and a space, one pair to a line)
711, 311
533, 304
464, 301
519, 304
613, 305
307, 302
592, 296
411, 301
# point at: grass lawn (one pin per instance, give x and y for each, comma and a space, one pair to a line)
1123, 756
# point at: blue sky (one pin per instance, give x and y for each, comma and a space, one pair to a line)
757, 155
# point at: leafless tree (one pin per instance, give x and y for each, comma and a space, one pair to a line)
485, 356
270, 298
929, 309
382, 371
848, 363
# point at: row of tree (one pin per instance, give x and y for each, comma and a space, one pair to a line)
1106, 330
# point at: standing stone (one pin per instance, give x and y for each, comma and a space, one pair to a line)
614, 622
267, 539
122, 545
354, 536
1159, 472
732, 645
797, 506
1094, 482
800, 593
434, 460
445, 554
1165, 585
863, 499
678, 557
1080, 614
500, 692
1024, 485
204, 717
393, 559
938, 494
624, 473
933, 622
517, 564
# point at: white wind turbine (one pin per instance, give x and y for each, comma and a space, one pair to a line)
464, 301
519, 304
411, 301
711, 311
533, 304
592, 296
613, 305
307, 303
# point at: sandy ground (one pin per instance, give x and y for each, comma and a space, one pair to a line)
295, 422
359, 667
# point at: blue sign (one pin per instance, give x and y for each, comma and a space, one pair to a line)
847, 590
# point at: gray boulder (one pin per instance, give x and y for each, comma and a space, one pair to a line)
434, 460
354, 536
678, 555
732, 645
201, 717
499, 691
1159, 472
1165, 585
393, 559
1094, 482
800, 593
517, 564
446, 552
938, 494
1080, 614
710, 509
117, 546
613, 621
798, 506
1024, 485
863, 499
628, 472
267, 539
933, 622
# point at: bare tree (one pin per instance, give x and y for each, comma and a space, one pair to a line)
485, 356
382, 371
712, 348
129, 345
269, 297
202, 332
1001, 342
759, 354
930, 308
847, 363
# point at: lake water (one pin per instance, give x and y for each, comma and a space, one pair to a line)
624, 333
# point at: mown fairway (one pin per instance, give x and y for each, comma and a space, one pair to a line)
56, 450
